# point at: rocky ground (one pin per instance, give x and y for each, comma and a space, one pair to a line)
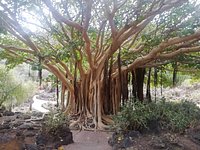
134, 140
185, 91
21, 129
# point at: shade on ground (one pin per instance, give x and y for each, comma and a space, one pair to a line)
87, 140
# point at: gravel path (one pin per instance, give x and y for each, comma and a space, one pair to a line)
87, 140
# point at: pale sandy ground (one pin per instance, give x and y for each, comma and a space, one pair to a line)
87, 140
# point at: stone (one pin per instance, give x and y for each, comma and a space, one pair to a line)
64, 140
17, 123
29, 133
25, 126
36, 114
31, 147
122, 140
4, 126
61, 136
23, 116
8, 113
127, 142
7, 120
41, 139
157, 143
133, 134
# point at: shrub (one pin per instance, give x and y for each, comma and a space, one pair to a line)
169, 115
54, 122
12, 91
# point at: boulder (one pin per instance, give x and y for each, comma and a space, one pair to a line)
123, 140
8, 113
61, 136
4, 126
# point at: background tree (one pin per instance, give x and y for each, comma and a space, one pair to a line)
12, 90
92, 46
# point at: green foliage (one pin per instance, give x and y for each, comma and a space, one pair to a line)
169, 115
12, 91
54, 122
167, 78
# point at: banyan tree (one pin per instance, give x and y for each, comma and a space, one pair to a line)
98, 49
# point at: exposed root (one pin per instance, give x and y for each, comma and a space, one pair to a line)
102, 126
74, 123
107, 120
89, 123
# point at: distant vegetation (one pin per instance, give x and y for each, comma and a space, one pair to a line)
12, 90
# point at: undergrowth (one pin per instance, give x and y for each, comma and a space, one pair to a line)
171, 116
55, 122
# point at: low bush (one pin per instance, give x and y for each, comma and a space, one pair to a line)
55, 122
168, 115
12, 90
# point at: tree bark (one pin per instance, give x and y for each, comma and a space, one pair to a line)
148, 93
140, 72
175, 70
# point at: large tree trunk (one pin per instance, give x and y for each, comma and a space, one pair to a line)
140, 72
175, 70
148, 93
134, 85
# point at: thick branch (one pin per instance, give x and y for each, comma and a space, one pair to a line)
178, 52
17, 49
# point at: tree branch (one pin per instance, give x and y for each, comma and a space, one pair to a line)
60, 18
6, 47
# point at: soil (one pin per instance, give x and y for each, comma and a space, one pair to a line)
89, 140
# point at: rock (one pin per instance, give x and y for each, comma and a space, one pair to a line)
120, 140
26, 126
31, 147
41, 139
19, 134
29, 133
65, 140
127, 142
23, 116
4, 138
8, 113
27, 117
18, 113
36, 114
17, 123
61, 136
7, 120
133, 134
157, 143
4, 126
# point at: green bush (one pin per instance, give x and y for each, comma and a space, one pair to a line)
12, 91
169, 115
54, 122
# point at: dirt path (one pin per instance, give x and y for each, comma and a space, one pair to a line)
87, 140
